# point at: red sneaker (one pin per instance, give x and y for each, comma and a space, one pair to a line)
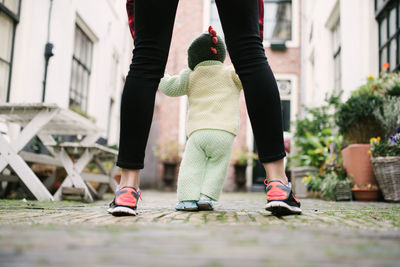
125, 201
280, 199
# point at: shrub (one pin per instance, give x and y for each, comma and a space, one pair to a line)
358, 118
315, 133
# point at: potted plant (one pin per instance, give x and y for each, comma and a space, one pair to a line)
385, 158
312, 138
331, 181
169, 151
358, 121
329, 186
241, 158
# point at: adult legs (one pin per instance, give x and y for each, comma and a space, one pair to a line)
154, 22
240, 24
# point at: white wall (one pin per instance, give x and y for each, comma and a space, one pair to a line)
106, 24
359, 46
359, 43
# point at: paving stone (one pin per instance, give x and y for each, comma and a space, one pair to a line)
239, 232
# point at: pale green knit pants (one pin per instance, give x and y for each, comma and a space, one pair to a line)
204, 165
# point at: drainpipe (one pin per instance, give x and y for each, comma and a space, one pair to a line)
48, 52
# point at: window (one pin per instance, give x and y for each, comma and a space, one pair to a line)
380, 3
277, 20
214, 19
389, 34
80, 72
9, 17
337, 74
110, 117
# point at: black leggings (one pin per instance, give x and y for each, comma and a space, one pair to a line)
154, 20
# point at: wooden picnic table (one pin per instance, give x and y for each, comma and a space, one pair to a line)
47, 121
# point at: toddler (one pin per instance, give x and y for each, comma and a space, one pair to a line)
212, 123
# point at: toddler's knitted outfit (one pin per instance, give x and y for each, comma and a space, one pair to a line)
213, 120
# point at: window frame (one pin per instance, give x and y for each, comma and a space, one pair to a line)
292, 96
15, 18
291, 21
382, 15
337, 57
294, 42
76, 63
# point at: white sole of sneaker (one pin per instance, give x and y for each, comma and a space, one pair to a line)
281, 208
122, 211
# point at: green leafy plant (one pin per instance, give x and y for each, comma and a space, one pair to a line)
314, 132
313, 149
331, 172
390, 115
318, 118
168, 151
329, 183
325, 184
387, 84
357, 118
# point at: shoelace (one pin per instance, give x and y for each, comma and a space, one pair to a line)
138, 191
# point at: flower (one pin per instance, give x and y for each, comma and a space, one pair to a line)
386, 65
386, 147
318, 151
306, 179
287, 145
395, 138
374, 140
371, 77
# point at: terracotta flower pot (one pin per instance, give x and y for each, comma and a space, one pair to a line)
357, 163
366, 194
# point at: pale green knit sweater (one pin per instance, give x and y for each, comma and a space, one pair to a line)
213, 93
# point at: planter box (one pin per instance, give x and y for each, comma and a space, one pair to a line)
387, 171
343, 192
298, 173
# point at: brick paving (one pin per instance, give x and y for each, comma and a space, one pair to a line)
239, 232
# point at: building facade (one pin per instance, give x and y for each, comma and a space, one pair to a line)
88, 46
92, 51
344, 42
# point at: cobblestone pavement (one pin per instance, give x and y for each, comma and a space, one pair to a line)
238, 233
